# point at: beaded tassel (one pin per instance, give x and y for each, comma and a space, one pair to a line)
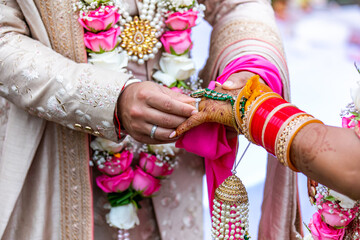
123, 234
230, 216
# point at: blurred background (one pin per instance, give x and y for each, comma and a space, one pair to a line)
322, 43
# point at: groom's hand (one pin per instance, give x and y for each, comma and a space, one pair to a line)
143, 105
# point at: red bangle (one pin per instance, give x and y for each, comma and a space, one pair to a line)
261, 115
254, 107
274, 124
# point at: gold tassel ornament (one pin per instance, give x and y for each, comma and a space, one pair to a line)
230, 215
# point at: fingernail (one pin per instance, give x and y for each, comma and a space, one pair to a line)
228, 84
173, 134
217, 84
194, 112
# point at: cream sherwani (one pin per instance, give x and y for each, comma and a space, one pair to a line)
52, 102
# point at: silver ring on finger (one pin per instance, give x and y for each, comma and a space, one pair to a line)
153, 130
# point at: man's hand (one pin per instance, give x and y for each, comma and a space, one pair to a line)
143, 105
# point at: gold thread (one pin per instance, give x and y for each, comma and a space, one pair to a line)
75, 188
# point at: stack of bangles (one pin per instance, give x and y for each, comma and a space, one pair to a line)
266, 119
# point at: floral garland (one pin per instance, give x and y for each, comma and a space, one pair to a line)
128, 183
336, 211
113, 38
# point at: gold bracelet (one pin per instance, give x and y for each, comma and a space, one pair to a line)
286, 135
235, 123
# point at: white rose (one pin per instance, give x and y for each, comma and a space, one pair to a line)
106, 145
123, 217
355, 95
179, 3
174, 68
168, 148
308, 237
345, 202
110, 60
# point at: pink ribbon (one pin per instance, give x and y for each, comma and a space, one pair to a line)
209, 139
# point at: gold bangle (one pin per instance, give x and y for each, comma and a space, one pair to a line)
286, 135
244, 124
244, 94
238, 117
235, 123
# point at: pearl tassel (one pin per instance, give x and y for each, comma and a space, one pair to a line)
230, 215
123, 234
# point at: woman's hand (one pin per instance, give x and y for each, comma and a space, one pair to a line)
210, 111
216, 110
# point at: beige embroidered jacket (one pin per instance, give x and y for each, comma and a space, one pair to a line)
52, 101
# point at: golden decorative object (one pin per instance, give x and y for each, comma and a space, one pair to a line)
232, 191
138, 38
230, 215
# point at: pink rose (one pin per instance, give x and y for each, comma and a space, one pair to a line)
145, 183
150, 164
177, 42
118, 163
99, 19
321, 231
118, 183
336, 216
349, 122
181, 20
102, 41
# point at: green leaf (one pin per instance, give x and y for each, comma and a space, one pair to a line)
330, 198
339, 227
172, 51
108, 26
183, 84
357, 67
119, 199
173, 84
92, 29
307, 227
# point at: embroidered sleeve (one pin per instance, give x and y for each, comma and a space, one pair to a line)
51, 86
242, 27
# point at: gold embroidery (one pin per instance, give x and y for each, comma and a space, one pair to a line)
66, 37
235, 32
65, 33
76, 194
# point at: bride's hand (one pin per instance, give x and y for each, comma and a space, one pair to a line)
210, 111
216, 110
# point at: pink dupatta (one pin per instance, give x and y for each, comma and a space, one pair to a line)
209, 139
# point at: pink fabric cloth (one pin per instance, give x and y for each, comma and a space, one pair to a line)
209, 139
255, 64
